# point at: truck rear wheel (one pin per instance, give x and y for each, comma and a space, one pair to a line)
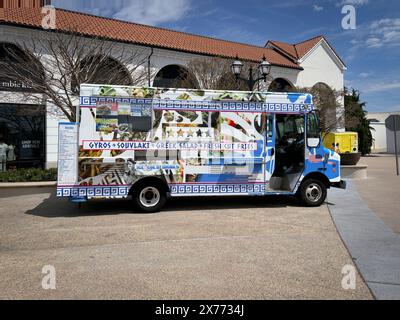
149, 198
313, 192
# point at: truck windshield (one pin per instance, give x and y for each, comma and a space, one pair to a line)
290, 127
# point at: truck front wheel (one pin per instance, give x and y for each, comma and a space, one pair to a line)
149, 198
313, 192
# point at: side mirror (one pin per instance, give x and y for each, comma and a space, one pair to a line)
313, 142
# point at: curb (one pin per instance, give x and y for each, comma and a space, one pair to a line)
28, 184
358, 172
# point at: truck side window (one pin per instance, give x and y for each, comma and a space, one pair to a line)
270, 125
300, 125
312, 126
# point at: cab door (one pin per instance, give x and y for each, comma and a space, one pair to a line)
270, 147
289, 152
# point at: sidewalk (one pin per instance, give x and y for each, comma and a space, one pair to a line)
381, 190
374, 247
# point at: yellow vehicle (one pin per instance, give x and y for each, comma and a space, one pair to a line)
344, 143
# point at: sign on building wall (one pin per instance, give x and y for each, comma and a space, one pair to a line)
14, 86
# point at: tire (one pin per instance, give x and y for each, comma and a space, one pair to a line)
149, 197
313, 192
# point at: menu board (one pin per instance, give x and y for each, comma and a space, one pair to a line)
67, 154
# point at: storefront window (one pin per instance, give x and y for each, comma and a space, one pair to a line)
22, 136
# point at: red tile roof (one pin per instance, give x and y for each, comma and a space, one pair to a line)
299, 50
304, 47
89, 25
286, 47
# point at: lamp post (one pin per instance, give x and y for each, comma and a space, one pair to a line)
264, 69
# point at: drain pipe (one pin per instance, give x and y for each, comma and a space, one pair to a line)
149, 66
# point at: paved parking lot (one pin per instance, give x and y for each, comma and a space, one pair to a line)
203, 248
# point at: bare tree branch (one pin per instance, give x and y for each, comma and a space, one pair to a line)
327, 101
213, 73
53, 67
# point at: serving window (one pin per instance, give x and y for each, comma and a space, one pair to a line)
123, 118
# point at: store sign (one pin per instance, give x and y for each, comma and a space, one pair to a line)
14, 86
30, 149
31, 144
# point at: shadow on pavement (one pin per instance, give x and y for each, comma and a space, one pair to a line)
54, 207
18, 192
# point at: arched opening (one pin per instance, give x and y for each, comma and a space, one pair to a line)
280, 85
101, 70
19, 69
22, 125
174, 76
322, 85
323, 95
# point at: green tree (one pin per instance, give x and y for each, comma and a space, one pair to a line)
356, 120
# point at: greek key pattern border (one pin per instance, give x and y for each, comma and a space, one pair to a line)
217, 189
216, 106
92, 191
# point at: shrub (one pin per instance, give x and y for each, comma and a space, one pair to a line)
28, 175
356, 120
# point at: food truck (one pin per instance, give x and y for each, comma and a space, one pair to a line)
153, 143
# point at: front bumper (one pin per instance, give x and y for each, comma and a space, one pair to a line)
340, 185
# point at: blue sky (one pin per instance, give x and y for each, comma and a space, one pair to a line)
371, 51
